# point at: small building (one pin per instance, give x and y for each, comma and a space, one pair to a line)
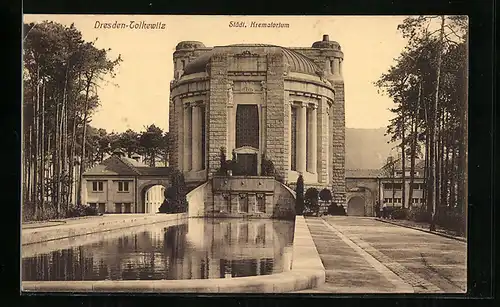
366, 187
125, 185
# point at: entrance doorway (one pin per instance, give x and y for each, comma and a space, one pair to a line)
356, 206
248, 164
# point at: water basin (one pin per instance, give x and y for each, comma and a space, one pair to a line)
197, 249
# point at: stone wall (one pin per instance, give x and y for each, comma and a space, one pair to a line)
277, 143
227, 197
199, 200
337, 145
217, 110
284, 202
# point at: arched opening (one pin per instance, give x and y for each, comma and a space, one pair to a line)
356, 206
152, 198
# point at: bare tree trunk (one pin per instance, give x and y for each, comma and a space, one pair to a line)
42, 149
84, 137
433, 146
72, 157
414, 144
58, 158
446, 161
36, 136
464, 139
403, 158
453, 171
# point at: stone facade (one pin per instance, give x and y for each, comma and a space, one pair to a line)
285, 85
124, 185
364, 188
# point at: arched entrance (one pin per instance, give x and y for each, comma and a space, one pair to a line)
153, 197
356, 206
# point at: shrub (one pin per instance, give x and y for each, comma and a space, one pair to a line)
311, 199
223, 162
335, 209
299, 192
267, 167
451, 220
420, 215
175, 196
325, 195
80, 210
400, 214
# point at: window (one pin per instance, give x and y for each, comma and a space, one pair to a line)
397, 200
387, 200
415, 200
128, 208
247, 126
398, 186
387, 186
97, 186
123, 186
118, 208
243, 202
418, 186
261, 203
102, 207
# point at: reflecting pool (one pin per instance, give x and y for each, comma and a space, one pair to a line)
198, 249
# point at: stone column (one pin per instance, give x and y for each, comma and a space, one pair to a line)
231, 119
289, 111
328, 67
231, 130
336, 66
312, 150
187, 139
301, 138
196, 139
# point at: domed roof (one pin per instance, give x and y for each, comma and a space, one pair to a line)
326, 43
189, 45
296, 61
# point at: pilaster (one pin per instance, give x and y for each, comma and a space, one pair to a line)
217, 110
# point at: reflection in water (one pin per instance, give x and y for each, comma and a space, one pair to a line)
200, 249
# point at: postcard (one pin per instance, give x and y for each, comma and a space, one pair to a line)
244, 154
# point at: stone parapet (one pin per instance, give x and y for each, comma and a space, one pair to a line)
94, 225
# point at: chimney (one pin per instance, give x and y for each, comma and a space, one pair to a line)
326, 38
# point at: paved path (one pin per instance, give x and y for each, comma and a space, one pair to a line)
348, 268
428, 263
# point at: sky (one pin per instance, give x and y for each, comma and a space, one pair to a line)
139, 94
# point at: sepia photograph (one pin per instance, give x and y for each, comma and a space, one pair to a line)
244, 154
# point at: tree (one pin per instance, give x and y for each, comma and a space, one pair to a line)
150, 141
129, 142
299, 192
267, 167
429, 108
326, 196
224, 164
311, 199
59, 96
389, 170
